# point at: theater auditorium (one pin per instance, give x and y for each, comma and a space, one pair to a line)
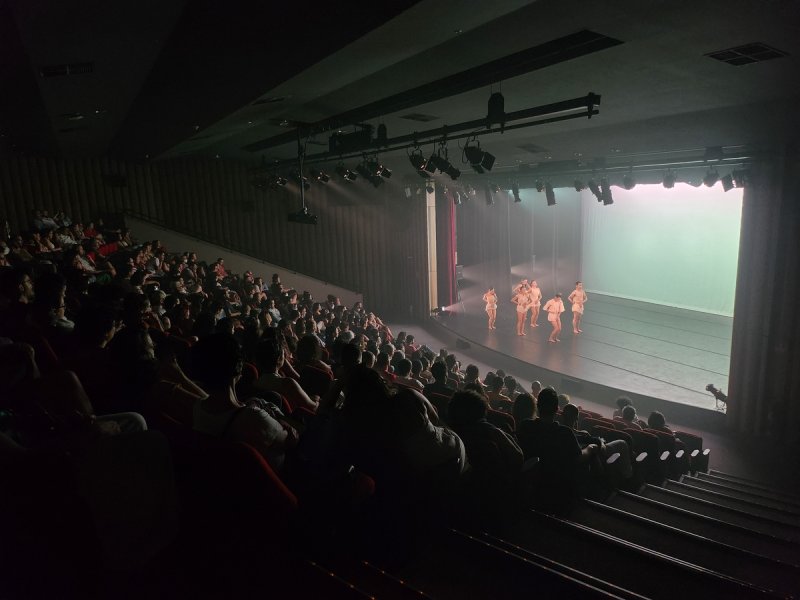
409, 299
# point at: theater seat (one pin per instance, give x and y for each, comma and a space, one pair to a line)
314, 381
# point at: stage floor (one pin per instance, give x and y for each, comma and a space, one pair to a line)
650, 350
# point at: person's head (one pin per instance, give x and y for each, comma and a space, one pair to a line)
403, 367
471, 373
578, 285
475, 387
558, 296
496, 385
269, 355
217, 361
351, 355
534, 284
308, 349
569, 416
547, 403
656, 420
416, 367
523, 408
622, 402
367, 359
16, 285
464, 409
450, 362
510, 384
629, 413
536, 387
382, 361
439, 371
490, 290
563, 400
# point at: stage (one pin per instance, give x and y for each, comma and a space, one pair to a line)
662, 357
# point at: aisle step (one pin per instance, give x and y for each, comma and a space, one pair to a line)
750, 485
750, 495
726, 531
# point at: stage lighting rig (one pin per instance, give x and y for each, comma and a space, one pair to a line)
628, 182
303, 216
669, 179
515, 192
479, 160
320, 176
418, 162
346, 173
740, 177
549, 194
579, 186
294, 174
605, 190
595, 189
711, 177
539, 185
727, 182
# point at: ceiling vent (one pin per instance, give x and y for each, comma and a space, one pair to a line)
65, 70
419, 117
749, 53
532, 148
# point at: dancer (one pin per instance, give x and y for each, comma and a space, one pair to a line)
521, 299
490, 298
536, 302
578, 298
554, 307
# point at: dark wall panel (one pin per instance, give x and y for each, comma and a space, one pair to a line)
368, 240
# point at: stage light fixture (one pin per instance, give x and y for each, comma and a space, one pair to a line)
429, 188
515, 192
628, 182
605, 192
495, 188
711, 177
430, 164
579, 186
595, 189
320, 176
302, 216
740, 177
294, 174
346, 173
479, 160
669, 180
539, 185
549, 194
276, 180
418, 162
377, 169
489, 196
727, 182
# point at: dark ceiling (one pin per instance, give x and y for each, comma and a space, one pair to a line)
161, 78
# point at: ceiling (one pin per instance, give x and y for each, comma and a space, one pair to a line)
175, 78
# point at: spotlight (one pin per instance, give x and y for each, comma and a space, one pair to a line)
438, 162
429, 188
549, 194
539, 185
711, 177
515, 191
595, 189
346, 173
457, 198
418, 162
430, 164
453, 172
740, 178
295, 176
378, 170
479, 160
727, 182
321, 176
669, 180
303, 216
489, 196
368, 170
628, 182
579, 185
495, 188
276, 180
605, 190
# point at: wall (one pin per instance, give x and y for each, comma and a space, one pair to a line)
368, 240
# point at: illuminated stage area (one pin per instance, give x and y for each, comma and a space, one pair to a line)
659, 266
658, 352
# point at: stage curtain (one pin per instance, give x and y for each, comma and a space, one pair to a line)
764, 394
446, 247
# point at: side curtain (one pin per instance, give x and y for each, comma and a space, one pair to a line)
446, 247
764, 394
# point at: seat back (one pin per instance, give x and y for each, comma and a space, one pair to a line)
610, 435
315, 381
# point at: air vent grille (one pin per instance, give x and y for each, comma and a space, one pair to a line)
66, 69
747, 54
419, 117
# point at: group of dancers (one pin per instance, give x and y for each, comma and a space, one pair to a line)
528, 296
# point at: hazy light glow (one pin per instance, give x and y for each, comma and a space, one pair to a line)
678, 247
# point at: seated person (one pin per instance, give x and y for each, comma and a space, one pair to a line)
524, 408
270, 358
403, 376
629, 417
472, 375
621, 402
657, 421
562, 462
217, 363
497, 399
569, 418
